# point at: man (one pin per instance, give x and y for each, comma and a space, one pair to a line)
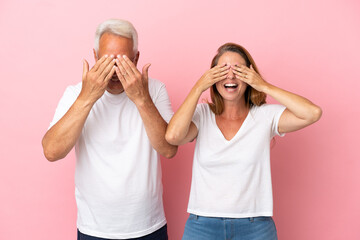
115, 120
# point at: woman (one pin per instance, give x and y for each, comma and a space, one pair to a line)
231, 192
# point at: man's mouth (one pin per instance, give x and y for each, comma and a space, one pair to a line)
114, 78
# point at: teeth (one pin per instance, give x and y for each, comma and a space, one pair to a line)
230, 85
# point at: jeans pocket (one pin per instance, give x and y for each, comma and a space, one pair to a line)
193, 217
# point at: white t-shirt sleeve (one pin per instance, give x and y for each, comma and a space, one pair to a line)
197, 115
162, 103
273, 113
64, 104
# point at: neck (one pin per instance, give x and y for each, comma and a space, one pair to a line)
235, 110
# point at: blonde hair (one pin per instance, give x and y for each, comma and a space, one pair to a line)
252, 96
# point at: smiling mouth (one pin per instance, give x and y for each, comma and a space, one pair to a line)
231, 85
114, 78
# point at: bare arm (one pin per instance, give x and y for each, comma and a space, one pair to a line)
299, 113
61, 138
181, 129
136, 87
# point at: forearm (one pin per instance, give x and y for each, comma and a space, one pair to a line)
298, 105
155, 127
61, 138
179, 125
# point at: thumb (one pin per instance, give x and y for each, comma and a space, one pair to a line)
145, 71
85, 68
251, 67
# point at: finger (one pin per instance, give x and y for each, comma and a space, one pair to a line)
85, 68
131, 64
110, 74
121, 77
240, 74
222, 73
220, 78
245, 69
105, 64
122, 70
99, 62
220, 70
129, 72
239, 69
220, 67
145, 72
245, 80
107, 69
217, 67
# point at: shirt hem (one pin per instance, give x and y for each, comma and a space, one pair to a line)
230, 215
122, 235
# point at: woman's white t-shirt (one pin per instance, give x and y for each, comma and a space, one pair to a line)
233, 178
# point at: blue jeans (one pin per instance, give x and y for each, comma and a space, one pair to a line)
160, 234
215, 228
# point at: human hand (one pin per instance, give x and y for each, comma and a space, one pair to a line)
212, 76
135, 84
95, 81
249, 76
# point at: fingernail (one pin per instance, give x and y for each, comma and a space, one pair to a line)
124, 56
106, 55
111, 56
118, 55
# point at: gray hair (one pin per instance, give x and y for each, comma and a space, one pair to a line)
118, 27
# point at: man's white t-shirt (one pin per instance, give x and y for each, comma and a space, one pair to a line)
118, 186
233, 178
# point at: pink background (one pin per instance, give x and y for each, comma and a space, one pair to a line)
310, 47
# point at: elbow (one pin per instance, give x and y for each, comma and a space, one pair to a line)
316, 115
49, 152
171, 152
171, 138
172, 149
49, 155
50, 158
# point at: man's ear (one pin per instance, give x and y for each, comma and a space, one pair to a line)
95, 55
136, 59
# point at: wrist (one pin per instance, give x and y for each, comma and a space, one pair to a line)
266, 88
143, 101
85, 102
197, 89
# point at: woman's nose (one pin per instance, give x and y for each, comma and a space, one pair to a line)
231, 75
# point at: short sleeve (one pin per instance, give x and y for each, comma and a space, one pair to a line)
64, 104
196, 117
273, 113
163, 104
